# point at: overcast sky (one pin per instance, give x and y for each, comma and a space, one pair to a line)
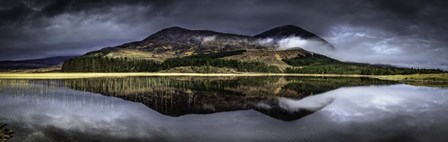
406, 33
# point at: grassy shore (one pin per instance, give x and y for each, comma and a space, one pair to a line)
91, 75
439, 79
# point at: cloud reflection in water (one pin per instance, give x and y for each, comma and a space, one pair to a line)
369, 113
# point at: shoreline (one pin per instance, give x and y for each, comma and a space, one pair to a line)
439, 78
60, 75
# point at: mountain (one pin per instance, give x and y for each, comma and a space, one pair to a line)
200, 41
177, 49
178, 42
33, 63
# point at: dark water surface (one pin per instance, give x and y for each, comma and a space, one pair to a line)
223, 109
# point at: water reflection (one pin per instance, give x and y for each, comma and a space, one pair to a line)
236, 109
176, 96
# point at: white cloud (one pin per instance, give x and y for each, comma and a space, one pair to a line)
360, 44
292, 42
365, 45
312, 45
208, 38
266, 42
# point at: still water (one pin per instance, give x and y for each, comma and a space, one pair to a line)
223, 109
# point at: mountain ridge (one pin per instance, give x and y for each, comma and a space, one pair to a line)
172, 48
179, 42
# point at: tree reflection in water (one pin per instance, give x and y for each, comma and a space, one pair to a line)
176, 96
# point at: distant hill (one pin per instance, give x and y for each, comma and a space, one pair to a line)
33, 63
177, 49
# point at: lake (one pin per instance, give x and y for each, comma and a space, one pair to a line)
309, 109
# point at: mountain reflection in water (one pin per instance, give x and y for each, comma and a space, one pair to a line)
222, 109
176, 96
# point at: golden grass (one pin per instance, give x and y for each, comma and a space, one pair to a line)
419, 79
440, 77
91, 75
433, 80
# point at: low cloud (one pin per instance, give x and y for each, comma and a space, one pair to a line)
307, 44
360, 44
208, 38
295, 42
266, 42
366, 45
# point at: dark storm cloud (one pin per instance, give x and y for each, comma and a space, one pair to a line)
414, 30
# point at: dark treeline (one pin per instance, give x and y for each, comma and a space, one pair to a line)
104, 64
217, 55
309, 63
310, 59
316, 85
222, 63
357, 69
318, 64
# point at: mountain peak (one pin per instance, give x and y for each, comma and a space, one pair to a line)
174, 28
286, 31
164, 33
288, 27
